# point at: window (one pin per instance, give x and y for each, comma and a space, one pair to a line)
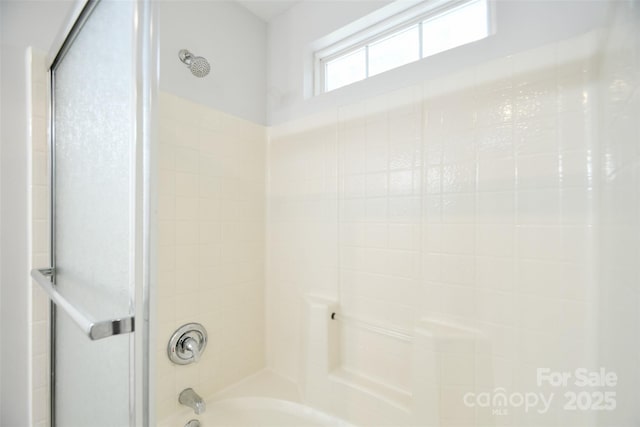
401, 39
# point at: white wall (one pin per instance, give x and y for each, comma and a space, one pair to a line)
233, 41
22, 24
520, 25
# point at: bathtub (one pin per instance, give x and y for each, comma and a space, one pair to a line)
262, 412
265, 399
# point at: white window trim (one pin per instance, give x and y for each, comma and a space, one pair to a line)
384, 28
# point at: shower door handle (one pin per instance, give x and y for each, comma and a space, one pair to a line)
94, 329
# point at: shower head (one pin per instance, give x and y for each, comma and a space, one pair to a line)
197, 64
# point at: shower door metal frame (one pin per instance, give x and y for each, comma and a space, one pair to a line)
146, 84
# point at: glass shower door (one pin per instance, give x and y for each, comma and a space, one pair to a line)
98, 221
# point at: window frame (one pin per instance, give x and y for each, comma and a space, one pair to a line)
386, 28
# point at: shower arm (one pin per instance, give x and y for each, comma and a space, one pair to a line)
94, 330
185, 56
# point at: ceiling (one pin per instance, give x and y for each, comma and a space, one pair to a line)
267, 9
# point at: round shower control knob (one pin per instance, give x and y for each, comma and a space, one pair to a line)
187, 344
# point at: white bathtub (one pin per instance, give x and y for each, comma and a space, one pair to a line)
264, 399
262, 412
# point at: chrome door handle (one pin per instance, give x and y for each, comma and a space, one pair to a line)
94, 329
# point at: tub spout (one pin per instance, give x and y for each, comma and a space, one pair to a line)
190, 398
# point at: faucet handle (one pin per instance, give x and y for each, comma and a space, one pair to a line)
187, 344
193, 346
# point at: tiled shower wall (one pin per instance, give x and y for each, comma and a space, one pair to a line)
469, 199
619, 209
39, 238
211, 246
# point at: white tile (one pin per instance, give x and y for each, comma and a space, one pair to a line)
404, 209
40, 169
354, 185
403, 154
577, 243
460, 148
404, 236
186, 208
496, 307
495, 142
375, 235
186, 233
540, 242
433, 180
40, 236
376, 184
458, 239
540, 278
39, 100
210, 210
536, 99
495, 239
166, 183
186, 160
166, 233
496, 108
166, 156
538, 172
496, 274
459, 177
432, 267
432, 237
496, 174
375, 209
539, 207
537, 136
40, 304
459, 208
376, 153
39, 139
458, 369
496, 208
186, 184
432, 209
537, 314
40, 202
40, 338
452, 409
166, 207
186, 282
503, 339
40, 405
458, 269
578, 206
405, 182
576, 131
577, 169
40, 372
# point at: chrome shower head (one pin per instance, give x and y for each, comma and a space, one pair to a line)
197, 64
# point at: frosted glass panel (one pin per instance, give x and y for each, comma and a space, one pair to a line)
94, 140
